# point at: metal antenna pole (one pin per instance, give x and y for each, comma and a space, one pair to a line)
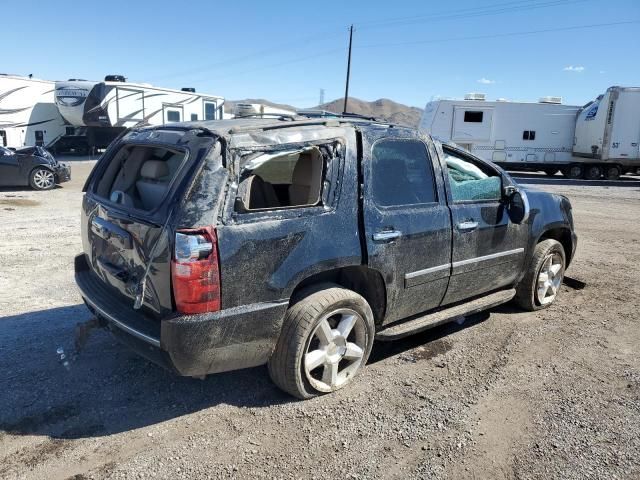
346, 90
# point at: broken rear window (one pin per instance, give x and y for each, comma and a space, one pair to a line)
139, 176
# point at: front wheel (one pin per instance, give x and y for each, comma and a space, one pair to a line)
42, 179
541, 283
326, 339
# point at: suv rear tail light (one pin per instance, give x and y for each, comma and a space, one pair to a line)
195, 273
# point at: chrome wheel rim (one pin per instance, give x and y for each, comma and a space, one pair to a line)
335, 350
549, 279
43, 179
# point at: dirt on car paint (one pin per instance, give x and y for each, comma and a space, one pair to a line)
506, 394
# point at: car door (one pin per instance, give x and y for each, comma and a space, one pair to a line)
406, 221
9, 168
488, 248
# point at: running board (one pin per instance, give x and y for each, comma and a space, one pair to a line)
434, 319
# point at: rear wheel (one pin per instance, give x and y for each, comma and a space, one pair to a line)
593, 172
574, 171
612, 172
42, 179
326, 339
541, 283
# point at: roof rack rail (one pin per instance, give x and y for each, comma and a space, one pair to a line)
268, 115
359, 115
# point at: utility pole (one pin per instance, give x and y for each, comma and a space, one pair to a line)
346, 90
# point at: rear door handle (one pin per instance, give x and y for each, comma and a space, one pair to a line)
386, 236
467, 226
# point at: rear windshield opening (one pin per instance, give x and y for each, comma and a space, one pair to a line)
140, 176
282, 180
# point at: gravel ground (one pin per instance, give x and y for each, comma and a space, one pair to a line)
554, 394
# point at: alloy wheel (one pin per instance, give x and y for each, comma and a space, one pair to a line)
43, 179
549, 278
335, 350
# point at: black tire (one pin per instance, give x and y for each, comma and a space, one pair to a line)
612, 172
286, 367
42, 178
593, 172
551, 171
574, 171
526, 291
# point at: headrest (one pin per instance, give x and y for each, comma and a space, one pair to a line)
154, 169
308, 164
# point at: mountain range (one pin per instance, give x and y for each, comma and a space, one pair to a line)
382, 108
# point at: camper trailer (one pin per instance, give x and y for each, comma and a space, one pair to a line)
258, 109
28, 113
515, 135
102, 110
608, 130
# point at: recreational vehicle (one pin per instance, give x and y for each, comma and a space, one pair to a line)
608, 129
104, 109
28, 113
258, 109
514, 135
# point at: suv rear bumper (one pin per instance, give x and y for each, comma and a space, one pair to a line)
190, 345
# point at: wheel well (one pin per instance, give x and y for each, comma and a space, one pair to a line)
562, 235
361, 279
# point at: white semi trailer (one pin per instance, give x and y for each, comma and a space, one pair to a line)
599, 139
608, 132
100, 111
28, 113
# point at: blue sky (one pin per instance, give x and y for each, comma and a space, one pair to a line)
286, 51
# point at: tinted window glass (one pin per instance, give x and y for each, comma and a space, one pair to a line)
469, 180
474, 117
194, 117
173, 116
402, 173
209, 111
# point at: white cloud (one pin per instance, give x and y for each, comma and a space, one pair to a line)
486, 81
571, 68
602, 71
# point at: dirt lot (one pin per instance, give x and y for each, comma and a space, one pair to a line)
507, 394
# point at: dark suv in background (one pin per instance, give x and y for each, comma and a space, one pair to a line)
222, 245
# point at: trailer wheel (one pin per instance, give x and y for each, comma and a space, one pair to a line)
551, 171
612, 173
574, 171
593, 172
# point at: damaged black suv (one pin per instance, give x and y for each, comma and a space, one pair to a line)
213, 246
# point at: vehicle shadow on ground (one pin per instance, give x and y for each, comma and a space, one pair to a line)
433, 342
537, 179
108, 389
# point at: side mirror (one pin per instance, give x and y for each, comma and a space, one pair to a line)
517, 204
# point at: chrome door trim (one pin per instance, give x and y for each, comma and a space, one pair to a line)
426, 275
492, 256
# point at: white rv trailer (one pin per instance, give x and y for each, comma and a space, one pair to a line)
514, 135
104, 109
608, 128
258, 109
28, 113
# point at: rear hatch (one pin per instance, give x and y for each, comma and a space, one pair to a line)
134, 197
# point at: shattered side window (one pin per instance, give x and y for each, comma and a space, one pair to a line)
283, 179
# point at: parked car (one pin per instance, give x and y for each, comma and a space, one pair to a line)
32, 166
215, 246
